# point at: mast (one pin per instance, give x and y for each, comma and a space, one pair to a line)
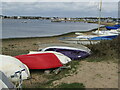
100, 7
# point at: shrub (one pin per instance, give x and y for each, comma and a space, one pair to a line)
108, 49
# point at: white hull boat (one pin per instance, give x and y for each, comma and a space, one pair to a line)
83, 42
5, 82
80, 40
91, 39
106, 32
10, 66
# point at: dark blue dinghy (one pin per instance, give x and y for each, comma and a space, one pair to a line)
118, 25
73, 53
109, 37
113, 27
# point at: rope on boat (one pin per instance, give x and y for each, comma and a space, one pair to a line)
20, 78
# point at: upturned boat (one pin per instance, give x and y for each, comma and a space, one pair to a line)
43, 60
71, 52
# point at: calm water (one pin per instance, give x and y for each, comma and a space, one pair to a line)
12, 28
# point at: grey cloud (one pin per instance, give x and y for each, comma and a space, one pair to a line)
70, 9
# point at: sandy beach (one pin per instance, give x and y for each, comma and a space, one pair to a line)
24, 45
91, 74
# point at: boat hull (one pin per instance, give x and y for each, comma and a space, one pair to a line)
73, 53
111, 27
63, 59
5, 82
86, 40
10, 65
40, 60
79, 41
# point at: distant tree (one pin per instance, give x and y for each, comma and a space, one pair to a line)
47, 18
15, 17
65, 18
5, 16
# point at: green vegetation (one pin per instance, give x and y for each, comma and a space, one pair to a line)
52, 76
72, 85
105, 50
63, 73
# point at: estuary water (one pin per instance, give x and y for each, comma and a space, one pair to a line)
21, 28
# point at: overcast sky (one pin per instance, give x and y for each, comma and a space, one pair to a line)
59, 9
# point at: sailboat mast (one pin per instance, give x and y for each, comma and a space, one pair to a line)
100, 7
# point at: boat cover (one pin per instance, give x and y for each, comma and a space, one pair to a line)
73, 53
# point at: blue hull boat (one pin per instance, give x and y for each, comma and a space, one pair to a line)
104, 37
113, 27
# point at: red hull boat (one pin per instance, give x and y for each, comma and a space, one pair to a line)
40, 61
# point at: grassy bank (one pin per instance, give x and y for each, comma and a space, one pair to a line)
105, 50
39, 79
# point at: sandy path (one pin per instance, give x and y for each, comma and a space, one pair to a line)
94, 75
